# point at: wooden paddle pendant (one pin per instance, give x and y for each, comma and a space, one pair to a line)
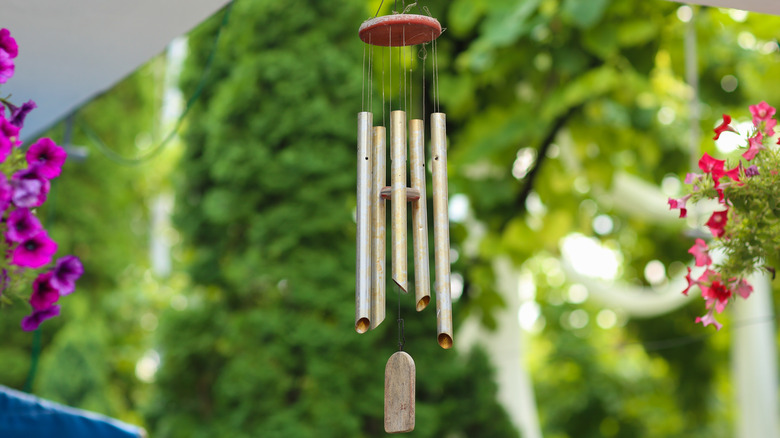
399, 393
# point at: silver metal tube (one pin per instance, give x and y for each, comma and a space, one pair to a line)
378, 230
363, 219
422, 275
398, 201
441, 230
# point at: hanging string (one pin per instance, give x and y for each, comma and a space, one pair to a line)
119, 159
383, 89
403, 51
370, 75
363, 91
424, 57
401, 335
390, 64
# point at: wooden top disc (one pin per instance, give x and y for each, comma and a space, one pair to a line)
399, 30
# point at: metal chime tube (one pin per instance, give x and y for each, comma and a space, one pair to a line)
422, 276
441, 230
398, 201
363, 219
378, 230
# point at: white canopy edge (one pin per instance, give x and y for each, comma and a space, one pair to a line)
71, 51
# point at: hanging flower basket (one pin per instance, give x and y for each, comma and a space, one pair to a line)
746, 226
25, 181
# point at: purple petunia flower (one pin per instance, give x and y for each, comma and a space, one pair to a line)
66, 272
35, 251
5, 147
47, 156
32, 321
30, 188
9, 131
44, 294
22, 225
18, 114
8, 43
6, 191
7, 67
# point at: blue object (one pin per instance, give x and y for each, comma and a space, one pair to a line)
25, 416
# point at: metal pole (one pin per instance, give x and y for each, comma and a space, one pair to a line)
441, 230
363, 219
398, 158
422, 276
378, 230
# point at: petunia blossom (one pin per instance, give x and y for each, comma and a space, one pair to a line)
701, 253
752, 171
761, 112
691, 177
717, 294
47, 156
743, 288
8, 43
691, 282
18, 114
65, 273
708, 319
44, 295
6, 191
724, 126
32, 321
30, 188
756, 143
22, 225
7, 67
708, 164
35, 251
717, 222
9, 131
679, 203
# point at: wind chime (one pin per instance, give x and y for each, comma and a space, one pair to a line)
393, 39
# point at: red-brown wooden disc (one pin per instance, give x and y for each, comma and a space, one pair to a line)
399, 30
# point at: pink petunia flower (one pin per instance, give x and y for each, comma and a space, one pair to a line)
744, 289
7, 67
761, 112
756, 143
716, 293
33, 321
44, 294
47, 156
8, 43
64, 275
691, 282
30, 188
679, 203
725, 126
22, 225
35, 251
9, 131
709, 164
700, 252
708, 319
717, 222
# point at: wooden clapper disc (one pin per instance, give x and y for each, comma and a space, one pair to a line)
399, 393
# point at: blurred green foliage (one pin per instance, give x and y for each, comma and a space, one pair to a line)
258, 339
